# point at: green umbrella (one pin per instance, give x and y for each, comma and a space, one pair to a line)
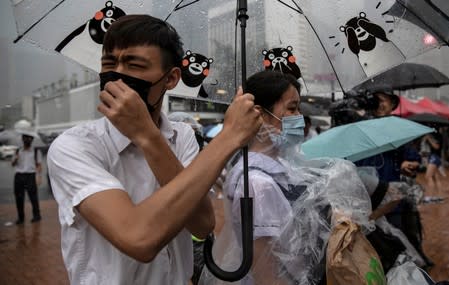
364, 138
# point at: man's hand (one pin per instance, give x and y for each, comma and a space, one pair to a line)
127, 111
242, 119
409, 167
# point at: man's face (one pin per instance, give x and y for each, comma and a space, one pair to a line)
288, 105
385, 105
27, 140
143, 62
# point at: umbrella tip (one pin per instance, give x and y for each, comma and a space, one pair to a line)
18, 39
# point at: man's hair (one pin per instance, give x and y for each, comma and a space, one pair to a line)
144, 30
268, 86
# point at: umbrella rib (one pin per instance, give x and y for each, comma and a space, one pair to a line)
316, 34
37, 22
294, 9
179, 7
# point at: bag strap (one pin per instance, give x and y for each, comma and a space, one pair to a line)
291, 194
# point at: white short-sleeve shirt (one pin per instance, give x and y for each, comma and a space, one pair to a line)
94, 157
27, 160
271, 208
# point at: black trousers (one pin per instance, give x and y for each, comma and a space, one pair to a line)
22, 182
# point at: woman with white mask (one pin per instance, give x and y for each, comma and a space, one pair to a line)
278, 96
292, 197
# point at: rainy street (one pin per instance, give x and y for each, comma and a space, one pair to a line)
37, 246
7, 178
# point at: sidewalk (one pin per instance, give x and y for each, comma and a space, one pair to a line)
30, 253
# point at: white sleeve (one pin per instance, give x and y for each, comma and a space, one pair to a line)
270, 207
78, 168
187, 144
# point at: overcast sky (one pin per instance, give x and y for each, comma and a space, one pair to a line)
25, 68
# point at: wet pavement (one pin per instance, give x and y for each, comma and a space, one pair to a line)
30, 253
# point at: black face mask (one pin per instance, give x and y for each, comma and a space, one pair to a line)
142, 87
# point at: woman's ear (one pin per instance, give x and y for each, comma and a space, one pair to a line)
173, 78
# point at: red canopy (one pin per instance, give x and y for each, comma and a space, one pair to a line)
439, 108
407, 108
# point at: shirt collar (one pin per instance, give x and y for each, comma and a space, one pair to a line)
121, 142
269, 164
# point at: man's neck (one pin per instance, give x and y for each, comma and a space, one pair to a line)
156, 116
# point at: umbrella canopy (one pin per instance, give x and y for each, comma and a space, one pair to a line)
364, 139
405, 76
407, 108
14, 137
76, 29
440, 109
429, 119
356, 40
360, 38
429, 15
211, 133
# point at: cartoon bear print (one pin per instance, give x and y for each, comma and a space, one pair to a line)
362, 35
195, 68
281, 59
84, 44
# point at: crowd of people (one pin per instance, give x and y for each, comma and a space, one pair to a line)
133, 187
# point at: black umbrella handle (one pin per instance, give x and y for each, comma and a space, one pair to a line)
246, 203
246, 212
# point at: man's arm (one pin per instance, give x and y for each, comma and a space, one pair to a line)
15, 159
142, 230
165, 166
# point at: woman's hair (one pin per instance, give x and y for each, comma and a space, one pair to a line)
145, 30
268, 86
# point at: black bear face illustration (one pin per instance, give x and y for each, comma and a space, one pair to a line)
100, 23
195, 68
281, 59
361, 34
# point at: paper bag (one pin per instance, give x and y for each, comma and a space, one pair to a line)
351, 260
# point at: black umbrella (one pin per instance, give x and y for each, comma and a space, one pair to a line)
429, 119
405, 76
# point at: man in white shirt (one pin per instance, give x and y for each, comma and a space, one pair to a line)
127, 206
27, 163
